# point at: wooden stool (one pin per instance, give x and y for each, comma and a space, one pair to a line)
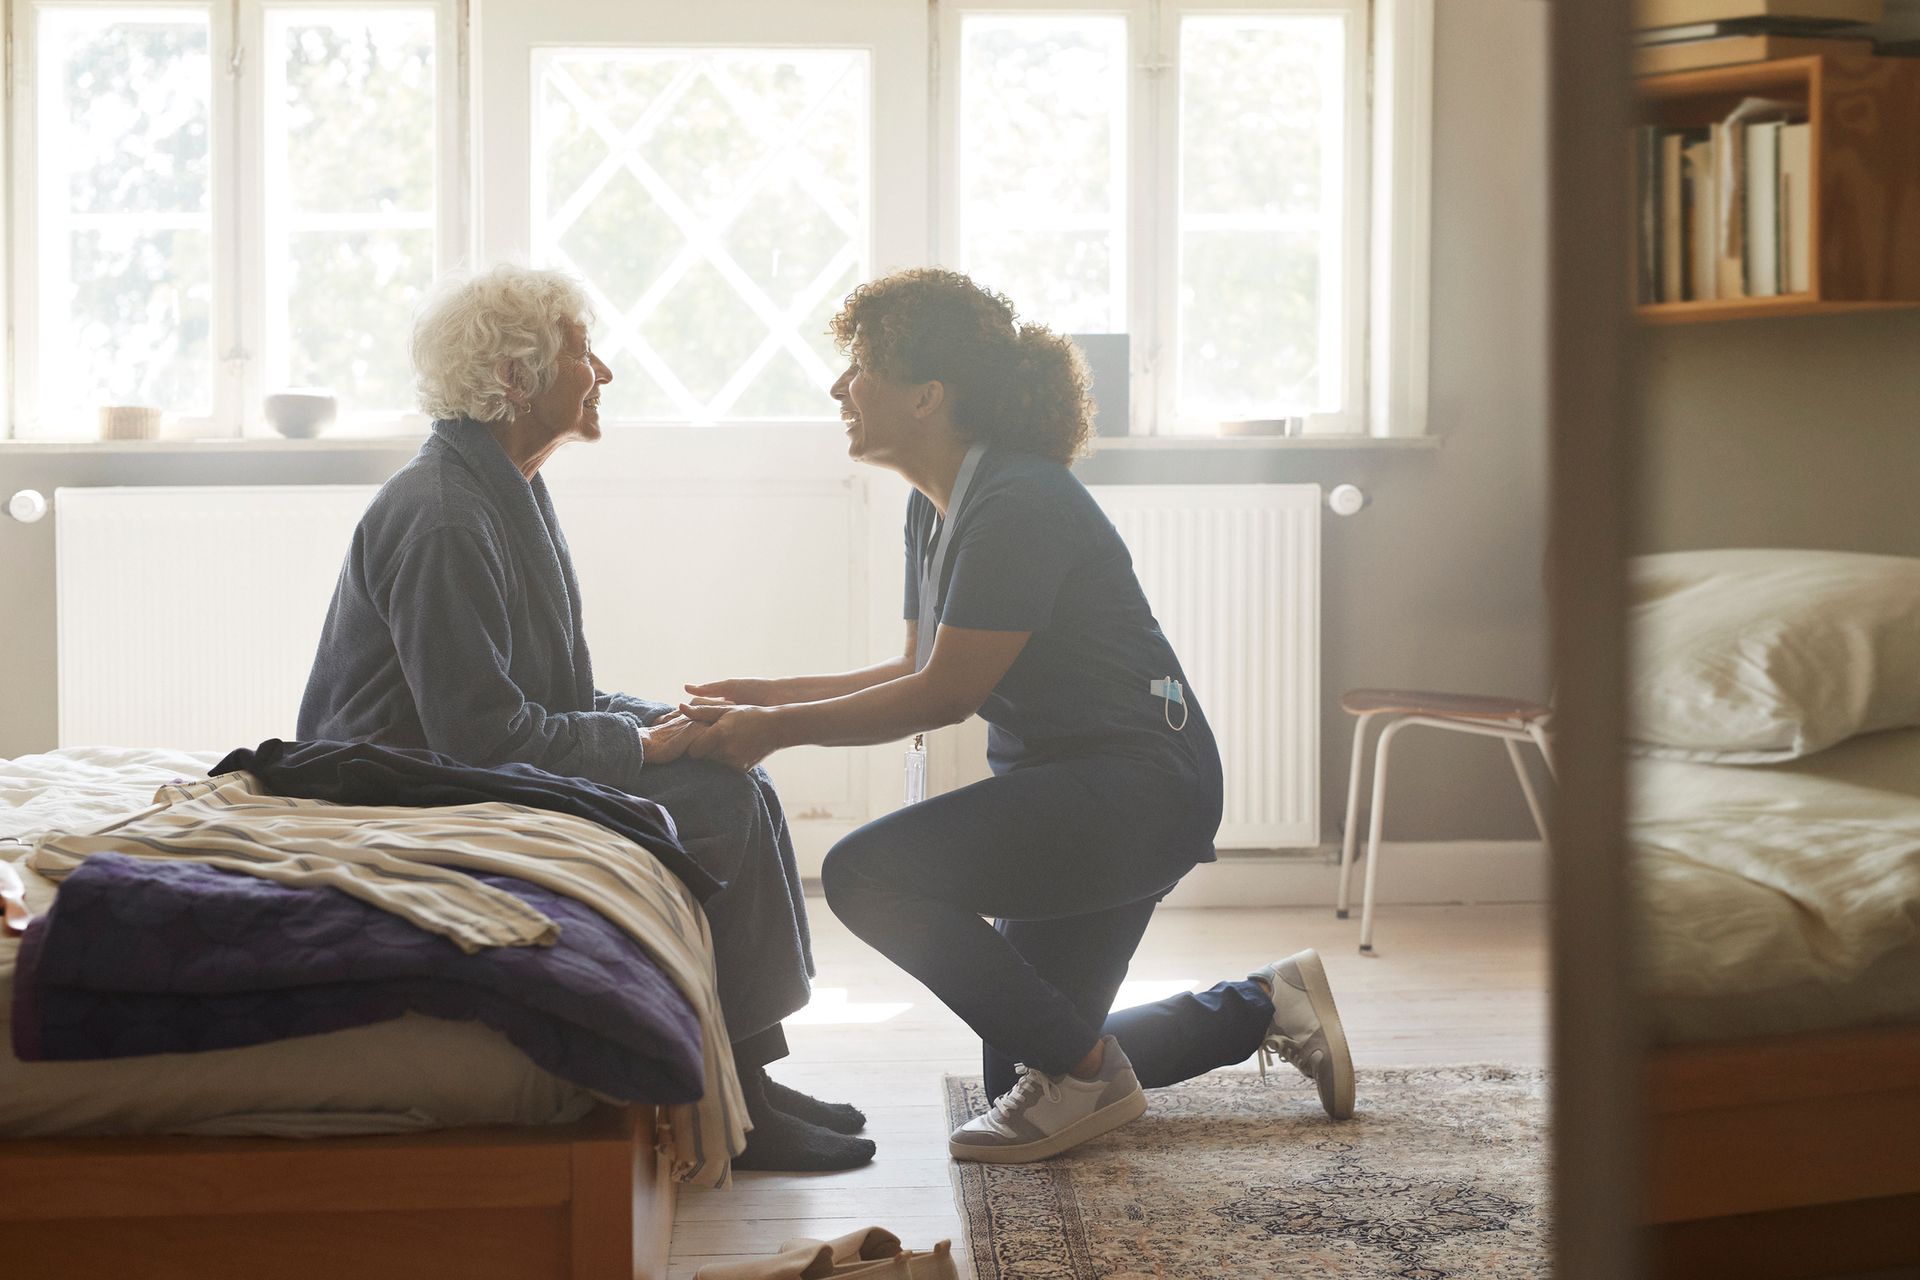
1509, 719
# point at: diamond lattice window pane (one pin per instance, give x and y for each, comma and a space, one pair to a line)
1043, 112
125, 274
1262, 215
704, 330
352, 116
716, 202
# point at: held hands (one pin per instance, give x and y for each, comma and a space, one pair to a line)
741, 736
668, 738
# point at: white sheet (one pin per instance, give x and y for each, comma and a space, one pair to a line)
1782, 897
411, 1073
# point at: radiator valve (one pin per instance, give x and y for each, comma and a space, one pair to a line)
27, 505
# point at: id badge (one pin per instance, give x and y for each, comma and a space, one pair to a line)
917, 769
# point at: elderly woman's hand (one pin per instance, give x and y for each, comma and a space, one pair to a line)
738, 736
668, 738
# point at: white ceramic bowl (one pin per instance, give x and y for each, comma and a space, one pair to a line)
301, 412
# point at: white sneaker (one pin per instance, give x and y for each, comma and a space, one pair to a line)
1306, 1029
1043, 1115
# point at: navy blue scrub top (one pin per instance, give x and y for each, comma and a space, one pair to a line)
1033, 552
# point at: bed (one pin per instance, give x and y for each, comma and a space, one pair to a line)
416, 1146
1774, 828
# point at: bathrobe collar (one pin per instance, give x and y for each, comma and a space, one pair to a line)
534, 526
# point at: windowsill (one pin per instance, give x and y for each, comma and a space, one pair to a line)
1214, 444
222, 444
411, 440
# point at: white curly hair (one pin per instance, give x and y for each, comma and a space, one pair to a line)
470, 322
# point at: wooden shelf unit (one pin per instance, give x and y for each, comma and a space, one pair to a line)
1865, 113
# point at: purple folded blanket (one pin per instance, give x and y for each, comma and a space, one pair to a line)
140, 956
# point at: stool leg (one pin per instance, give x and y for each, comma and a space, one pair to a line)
1539, 737
1526, 786
1352, 833
1374, 823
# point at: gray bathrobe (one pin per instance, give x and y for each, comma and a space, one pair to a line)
456, 626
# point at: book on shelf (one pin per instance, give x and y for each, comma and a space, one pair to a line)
1646, 186
1697, 201
1725, 211
1729, 213
1761, 244
1723, 51
1673, 257
1796, 207
1786, 28
1681, 13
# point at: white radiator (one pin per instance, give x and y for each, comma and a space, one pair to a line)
188, 617
1233, 573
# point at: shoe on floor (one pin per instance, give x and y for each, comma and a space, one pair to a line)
1043, 1115
1306, 1029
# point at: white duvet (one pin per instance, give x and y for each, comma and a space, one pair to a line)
1780, 897
410, 1073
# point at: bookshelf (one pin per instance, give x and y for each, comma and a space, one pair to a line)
1864, 219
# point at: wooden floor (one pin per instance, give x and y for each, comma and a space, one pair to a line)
1449, 984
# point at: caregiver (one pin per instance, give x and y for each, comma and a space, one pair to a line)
456, 626
1022, 605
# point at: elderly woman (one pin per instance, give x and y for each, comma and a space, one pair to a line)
456, 626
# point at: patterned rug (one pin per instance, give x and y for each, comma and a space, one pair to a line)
1440, 1174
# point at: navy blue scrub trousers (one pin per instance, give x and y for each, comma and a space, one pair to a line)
1069, 859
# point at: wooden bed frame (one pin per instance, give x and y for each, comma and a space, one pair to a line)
1786, 1157
585, 1201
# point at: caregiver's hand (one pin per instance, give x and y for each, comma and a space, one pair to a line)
668, 738
745, 691
739, 736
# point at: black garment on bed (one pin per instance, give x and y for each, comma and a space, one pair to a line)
367, 774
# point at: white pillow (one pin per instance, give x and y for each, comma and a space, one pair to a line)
1758, 656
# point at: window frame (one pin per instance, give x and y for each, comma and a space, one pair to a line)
27, 418
1387, 168
237, 180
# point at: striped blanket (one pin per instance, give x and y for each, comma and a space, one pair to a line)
413, 863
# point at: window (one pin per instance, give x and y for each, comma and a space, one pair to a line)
1196, 180
216, 202
716, 203
1042, 157
125, 217
349, 199
217, 199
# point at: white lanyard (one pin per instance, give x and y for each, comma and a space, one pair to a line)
934, 565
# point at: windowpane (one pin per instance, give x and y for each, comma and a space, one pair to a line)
1043, 131
351, 159
125, 280
349, 306
1262, 216
716, 202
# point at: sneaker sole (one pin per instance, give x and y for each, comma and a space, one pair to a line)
1105, 1120
1314, 974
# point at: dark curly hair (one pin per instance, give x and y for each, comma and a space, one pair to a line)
1021, 386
